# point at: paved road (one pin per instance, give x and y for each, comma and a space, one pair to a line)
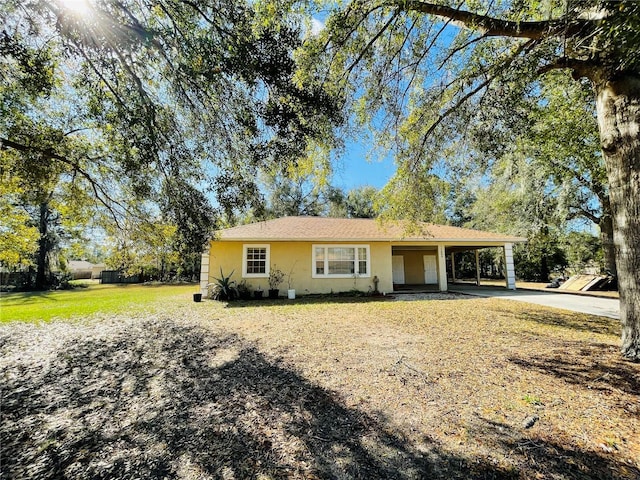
605, 307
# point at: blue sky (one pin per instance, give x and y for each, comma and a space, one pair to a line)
352, 169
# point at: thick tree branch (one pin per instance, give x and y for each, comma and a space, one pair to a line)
493, 27
100, 193
589, 215
47, 153
580, 68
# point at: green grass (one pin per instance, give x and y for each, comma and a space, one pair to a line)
80, 302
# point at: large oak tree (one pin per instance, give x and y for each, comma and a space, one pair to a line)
162, 101
423, 71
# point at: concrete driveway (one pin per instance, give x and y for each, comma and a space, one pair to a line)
605, 307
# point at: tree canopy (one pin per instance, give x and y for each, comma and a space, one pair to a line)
171, 103
141, 101
424, 73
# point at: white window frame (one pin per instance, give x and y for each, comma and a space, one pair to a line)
245, 248
326, 246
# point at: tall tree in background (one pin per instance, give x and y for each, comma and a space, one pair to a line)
294, 195
428, 67
18, 237
550, 132
45, 191
522, 200
306, 195
361, 202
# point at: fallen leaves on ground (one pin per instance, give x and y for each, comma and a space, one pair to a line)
441, 386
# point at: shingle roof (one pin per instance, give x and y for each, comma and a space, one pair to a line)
355, 229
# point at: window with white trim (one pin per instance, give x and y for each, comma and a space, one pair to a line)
341, 261
255, 261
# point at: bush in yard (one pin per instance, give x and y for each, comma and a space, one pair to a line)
276, 277
223, 289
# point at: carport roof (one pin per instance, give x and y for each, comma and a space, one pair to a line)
357, 229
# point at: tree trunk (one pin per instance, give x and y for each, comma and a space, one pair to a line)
618, 104
544, 268
43, 248
606, 240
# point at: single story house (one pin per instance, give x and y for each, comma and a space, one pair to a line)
81, 269
323, 255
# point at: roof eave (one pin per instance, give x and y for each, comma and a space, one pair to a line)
364, 239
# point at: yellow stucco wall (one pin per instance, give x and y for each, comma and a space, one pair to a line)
414, 264
296, 257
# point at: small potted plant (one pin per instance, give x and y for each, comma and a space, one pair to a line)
257, 293
197, 297
244, 290
291, 292
276, 276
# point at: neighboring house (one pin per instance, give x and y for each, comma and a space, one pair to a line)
324, 255
97, 269
81, 269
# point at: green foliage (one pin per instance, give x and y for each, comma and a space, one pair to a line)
360, 202
583, 250
539, 257
293, 194
464, 98
307, 191
87, 125
413, 195
424, 73
244, 290
276, 277
77, 304
551, 131
532, 399
224, 289
144, 245
18, 237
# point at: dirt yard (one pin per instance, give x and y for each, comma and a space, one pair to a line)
436, 386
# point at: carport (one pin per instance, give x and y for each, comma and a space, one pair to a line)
507, 259
423, 266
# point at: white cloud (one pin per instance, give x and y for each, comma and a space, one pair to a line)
316, 26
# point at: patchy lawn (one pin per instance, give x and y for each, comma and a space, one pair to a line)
443, 387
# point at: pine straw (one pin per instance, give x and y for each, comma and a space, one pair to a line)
438, 387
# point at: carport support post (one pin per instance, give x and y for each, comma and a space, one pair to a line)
478, 267
442, 269
510, 271
453, 267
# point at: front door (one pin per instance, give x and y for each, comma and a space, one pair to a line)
430, 269
397, 269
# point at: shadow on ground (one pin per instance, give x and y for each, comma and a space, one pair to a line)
595, 366
574, 321
158, 399
552, 460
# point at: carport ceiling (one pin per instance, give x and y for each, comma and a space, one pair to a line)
470, 248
